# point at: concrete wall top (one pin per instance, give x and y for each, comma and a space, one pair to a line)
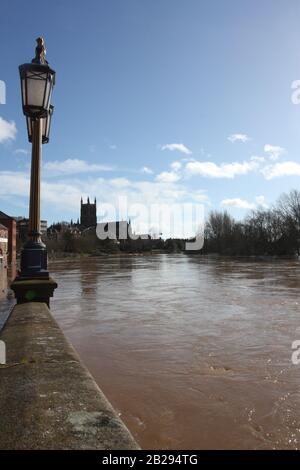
48, 399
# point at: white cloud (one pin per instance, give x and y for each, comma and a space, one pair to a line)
171, 176
260, 201
120, 182
238, 203
113, 147
146, 170
231, 170
278, 170
274, 151
21, 151
168, 177
14, 183
66, 193
257, 159
200, 196
61, 198
238, 138
177, 147
176, 166
225, 170
73, 166
8, 130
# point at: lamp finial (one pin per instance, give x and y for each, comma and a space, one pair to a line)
40, 52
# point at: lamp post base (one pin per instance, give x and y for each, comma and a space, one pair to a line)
34, 261
33, 283
33, 290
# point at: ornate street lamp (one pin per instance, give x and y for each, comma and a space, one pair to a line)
46, 125
37, 81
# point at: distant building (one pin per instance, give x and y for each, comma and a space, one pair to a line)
10, 224
88, 213
3, 259
56, 230
3, 246
44, 226
23, 228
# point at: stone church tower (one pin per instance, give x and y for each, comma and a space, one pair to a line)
88, 213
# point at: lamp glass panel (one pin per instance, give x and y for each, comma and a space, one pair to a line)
47, 127
29, 128
43, 124
49, 88
36, 89
23, 82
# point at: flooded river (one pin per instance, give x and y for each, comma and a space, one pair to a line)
193, 352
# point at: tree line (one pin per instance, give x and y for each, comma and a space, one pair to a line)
263, 232
266, 232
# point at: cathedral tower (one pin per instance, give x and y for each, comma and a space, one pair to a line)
88, 213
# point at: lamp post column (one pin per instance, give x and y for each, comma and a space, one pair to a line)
34, 253
35, 183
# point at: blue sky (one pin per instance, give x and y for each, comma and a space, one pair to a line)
165, 101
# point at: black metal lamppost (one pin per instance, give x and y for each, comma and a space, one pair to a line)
37, 80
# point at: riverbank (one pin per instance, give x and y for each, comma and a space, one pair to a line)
125, 254
62, 255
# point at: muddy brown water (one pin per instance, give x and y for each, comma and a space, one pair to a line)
193, 352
